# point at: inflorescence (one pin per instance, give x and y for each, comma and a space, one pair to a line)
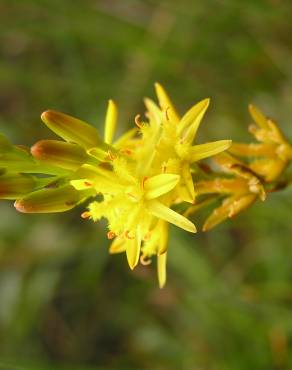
135, 181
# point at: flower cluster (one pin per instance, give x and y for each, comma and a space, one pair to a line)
135, 181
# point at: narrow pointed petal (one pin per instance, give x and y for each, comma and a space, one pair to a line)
123, 140
166, 104
110, 122
154, 112
188, 181
161, 269
163, 237
253, 150
159, 210
158, 185
258, 117
202, 151
229, 208
49, 200
72, 129
65, 155
192, 119
133, 251
14, 186
118, 246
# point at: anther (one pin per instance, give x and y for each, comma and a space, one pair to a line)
143, 181
128, 236
85, 214
111, 156
145, 260
87, 183
138, 121
111, 235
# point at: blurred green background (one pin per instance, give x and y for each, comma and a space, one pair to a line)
227, 304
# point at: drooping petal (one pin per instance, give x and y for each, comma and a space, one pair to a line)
159, 210
163, 237
72, 129
166, 104
133, 250
50, 200
158, 185
190, 122
110, 122
65, 155
161, 269
202, 151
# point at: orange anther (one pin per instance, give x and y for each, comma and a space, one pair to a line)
128, 236
126, 151
145, 260
85, 214
111, 235
138, 121
111, 156
143, 181
87, 183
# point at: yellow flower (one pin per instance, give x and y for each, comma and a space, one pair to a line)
272, 155
138, 178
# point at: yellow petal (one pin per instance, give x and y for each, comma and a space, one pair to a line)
125, 138
229, 208
161, 269
118, 246
253, 150
190, 122
133, 250
159, 210
154, 112
72, 129
202, 151
165, 103
258, 117
81, 184
110, 122
163, 237
158, 185
188, 181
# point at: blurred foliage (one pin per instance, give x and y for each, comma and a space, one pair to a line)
228, 300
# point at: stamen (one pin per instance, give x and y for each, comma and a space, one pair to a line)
138, 121
147, 236
128, 236
143, 181
145, 260
85, 214
111, 156
87, 183
166, 113
111, 235
126, 151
